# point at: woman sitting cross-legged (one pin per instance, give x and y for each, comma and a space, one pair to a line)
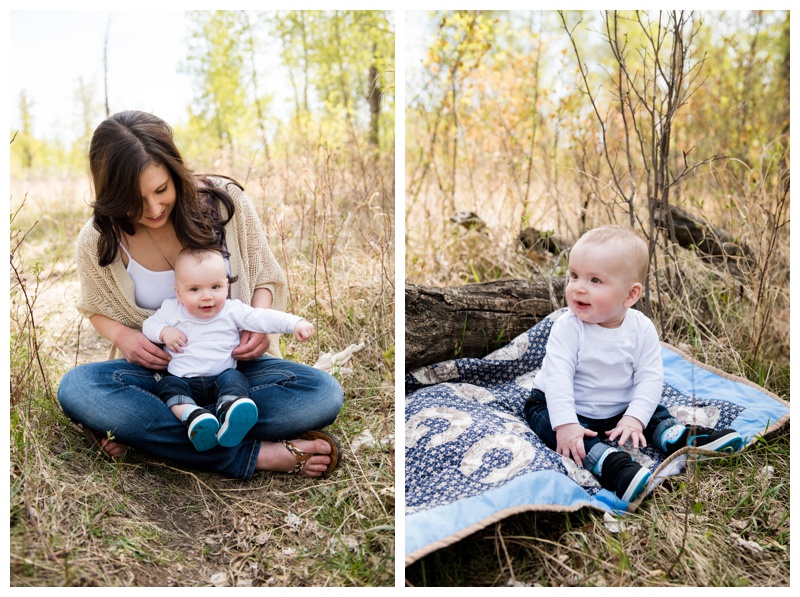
148, 207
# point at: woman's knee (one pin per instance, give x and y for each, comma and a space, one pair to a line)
88, 392
322, 398
332, 389
326, 399
69, 389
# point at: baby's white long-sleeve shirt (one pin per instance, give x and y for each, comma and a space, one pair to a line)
210, 341
600, 372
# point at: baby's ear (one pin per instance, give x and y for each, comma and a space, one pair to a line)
634, 294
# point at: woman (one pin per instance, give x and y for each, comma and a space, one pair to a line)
149, 206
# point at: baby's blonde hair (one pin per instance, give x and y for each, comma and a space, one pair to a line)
197, 255
624, 238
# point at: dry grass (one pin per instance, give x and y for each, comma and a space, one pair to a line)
78, 519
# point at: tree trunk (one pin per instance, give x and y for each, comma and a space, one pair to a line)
475, 319
374, 98
105, 67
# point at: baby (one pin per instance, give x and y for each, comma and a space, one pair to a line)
602, 371
199, 329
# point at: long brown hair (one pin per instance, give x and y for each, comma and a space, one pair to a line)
121, 148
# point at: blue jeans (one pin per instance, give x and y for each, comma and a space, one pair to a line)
119, 397
203, 389
537, 416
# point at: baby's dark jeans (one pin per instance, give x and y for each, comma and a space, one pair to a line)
202, 390
535, 413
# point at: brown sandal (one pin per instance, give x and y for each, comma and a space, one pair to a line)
303, 457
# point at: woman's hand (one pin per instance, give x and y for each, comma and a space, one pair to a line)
137, 349
133, 344
251, 346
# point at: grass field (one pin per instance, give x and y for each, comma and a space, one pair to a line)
80, 519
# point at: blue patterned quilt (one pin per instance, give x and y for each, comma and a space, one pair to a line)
472, 460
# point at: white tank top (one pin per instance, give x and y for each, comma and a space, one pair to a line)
150, 288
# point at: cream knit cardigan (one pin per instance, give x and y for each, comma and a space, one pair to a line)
109, 290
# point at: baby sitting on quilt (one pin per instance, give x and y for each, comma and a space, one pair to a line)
602, 370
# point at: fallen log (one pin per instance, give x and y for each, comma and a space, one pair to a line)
475, 319
691, 232
716, 243
539, 241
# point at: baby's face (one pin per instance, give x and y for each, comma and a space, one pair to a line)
202, 286
599, 285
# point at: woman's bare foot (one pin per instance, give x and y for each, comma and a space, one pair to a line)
107, 444
273, 456
112, 448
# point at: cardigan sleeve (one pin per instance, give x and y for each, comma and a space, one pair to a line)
106, 290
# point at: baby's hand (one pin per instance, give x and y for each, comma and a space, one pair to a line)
569, 441
628, 427
173, 339
303, 330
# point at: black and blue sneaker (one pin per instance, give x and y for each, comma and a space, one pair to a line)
236, 418
203, 427
624, 476
705, 438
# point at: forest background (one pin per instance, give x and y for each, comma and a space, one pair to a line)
298, 106
524, 128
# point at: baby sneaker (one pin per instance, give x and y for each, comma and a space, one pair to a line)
624, 476
236, 418
203, 428
704, 438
